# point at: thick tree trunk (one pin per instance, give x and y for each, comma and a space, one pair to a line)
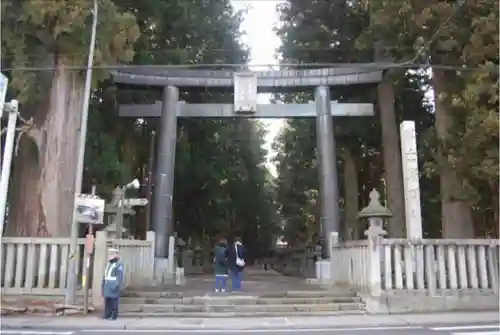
456, 213
392, 158
44, 171
353, 225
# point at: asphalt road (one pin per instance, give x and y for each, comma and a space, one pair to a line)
471, 329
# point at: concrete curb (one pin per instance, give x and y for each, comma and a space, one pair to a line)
193, 324
245, 324
237, 324
229, 315
283, 328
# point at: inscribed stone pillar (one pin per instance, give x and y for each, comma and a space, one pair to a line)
162, 211
410, 180
328, 184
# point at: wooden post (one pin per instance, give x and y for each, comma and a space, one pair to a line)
113, 209
88, 250
100, 259
120, 193
149, 187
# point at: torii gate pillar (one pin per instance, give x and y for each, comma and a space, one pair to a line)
163, 191
327, 168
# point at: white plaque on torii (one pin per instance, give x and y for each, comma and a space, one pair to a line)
245, 92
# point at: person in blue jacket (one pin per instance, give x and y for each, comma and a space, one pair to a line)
236, 260
112, 285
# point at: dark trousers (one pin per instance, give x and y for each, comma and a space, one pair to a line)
236, 280
111, 308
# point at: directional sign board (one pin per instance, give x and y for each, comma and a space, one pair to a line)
89, 209
132, 202
245, 92
4, 81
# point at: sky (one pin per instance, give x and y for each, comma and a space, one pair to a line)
258, 24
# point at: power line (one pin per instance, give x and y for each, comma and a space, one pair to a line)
193, 49
373, 66
425, 47
370, 67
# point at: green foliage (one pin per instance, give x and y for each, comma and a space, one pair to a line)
46, 33
470, 100
328, 32
105, 165
311, 32
297, 183
221, 183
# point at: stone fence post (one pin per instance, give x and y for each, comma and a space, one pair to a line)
376, 214
150, 237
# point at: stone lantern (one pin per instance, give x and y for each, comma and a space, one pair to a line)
376, 214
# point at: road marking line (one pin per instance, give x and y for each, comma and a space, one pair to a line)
466, 327
478, 333
249, 331
33, 332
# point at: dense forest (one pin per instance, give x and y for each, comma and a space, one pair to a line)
221, 183
455, 111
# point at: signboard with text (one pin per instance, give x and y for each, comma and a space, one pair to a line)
245, 92
89, 209
132, 202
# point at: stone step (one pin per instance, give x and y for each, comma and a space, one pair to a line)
230, 300
283, 308
207, 315
311, 294
284, 294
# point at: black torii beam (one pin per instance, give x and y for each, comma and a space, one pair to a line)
267, 81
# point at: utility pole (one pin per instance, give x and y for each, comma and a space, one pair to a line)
12, 109
72, 268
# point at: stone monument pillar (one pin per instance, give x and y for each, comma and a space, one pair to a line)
410, 180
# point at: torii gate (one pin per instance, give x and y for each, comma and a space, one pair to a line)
246, 85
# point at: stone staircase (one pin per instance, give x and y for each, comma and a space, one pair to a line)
159, 304
265, 294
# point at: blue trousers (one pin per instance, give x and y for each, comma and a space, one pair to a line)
220, 282
111, 308
236, 280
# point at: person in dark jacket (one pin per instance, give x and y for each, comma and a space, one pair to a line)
112, 285
220, 266
236, 259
